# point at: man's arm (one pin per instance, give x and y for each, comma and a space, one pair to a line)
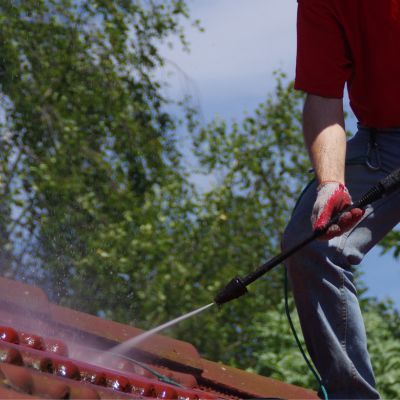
325, 137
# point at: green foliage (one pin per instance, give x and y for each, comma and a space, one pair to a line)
391, 243
278, 355
241, 218
383, 329
90, 147
97, 207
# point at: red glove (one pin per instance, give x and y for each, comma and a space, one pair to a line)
333, 197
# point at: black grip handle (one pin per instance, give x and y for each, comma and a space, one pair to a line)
391, 182
384, 187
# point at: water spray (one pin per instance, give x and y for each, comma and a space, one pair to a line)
237, 287
105, 358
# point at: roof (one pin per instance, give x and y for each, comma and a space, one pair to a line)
49, 351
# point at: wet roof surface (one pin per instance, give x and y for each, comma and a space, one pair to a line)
48, 351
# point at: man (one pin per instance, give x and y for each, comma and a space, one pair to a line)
353, 42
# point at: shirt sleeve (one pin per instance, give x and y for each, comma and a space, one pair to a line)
323, 63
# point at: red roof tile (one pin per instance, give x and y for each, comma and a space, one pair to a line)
45, 352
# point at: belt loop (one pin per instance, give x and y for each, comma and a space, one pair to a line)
373, 160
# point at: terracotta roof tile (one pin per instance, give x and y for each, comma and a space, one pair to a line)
46, 352
12, 394
251, 384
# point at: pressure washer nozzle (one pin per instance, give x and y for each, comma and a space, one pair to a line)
234, 289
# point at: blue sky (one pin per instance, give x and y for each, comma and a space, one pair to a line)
229, 71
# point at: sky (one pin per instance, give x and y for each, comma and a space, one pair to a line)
229, 71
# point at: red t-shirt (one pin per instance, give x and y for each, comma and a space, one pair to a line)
355, 42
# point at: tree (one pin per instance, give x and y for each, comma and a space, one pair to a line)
86, 144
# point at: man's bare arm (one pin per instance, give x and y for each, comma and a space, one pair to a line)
325, 136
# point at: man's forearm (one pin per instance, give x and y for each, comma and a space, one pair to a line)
325, 137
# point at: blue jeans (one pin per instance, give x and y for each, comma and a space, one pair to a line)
321, 272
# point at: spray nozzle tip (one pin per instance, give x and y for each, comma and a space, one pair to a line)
234, 289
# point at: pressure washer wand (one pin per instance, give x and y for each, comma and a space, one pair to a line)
237, 287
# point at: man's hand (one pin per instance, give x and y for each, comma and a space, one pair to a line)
332, 198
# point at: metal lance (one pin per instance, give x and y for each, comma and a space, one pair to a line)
237, 287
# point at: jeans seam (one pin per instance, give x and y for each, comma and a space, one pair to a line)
345, 321
344, 311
